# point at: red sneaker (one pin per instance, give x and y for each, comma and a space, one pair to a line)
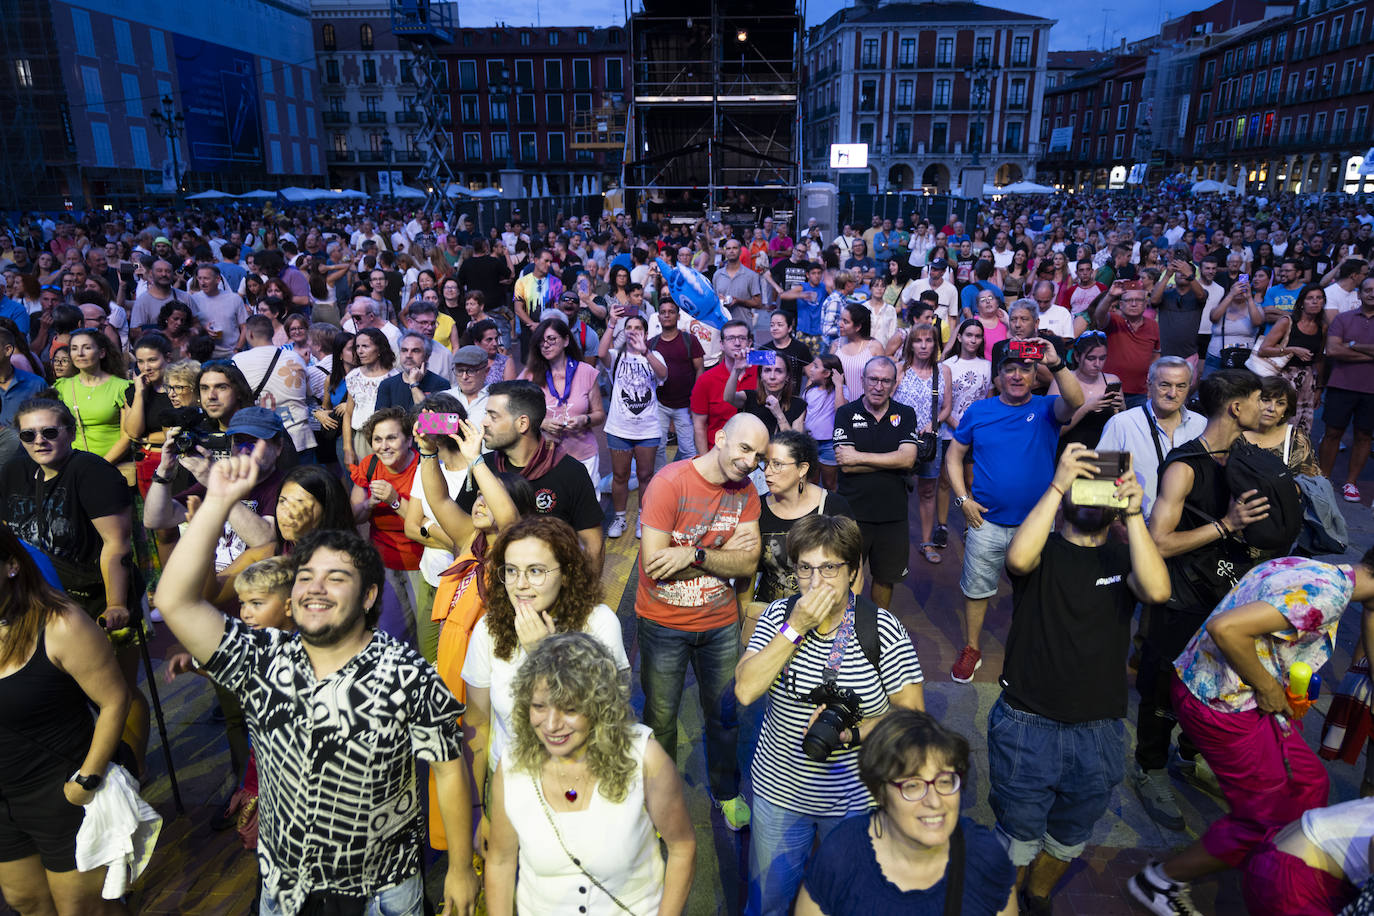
969, 661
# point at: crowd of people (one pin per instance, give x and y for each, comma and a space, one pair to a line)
353, 461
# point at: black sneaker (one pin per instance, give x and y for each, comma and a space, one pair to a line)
1032, 905
940, 537
1151, 890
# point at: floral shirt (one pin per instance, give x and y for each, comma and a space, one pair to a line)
1311, 595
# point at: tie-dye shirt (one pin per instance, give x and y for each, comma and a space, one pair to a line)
1310, 594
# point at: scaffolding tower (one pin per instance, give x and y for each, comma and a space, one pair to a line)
427, 26
715, 115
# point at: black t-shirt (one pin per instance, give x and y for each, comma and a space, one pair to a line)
565, 492
878, 495
752, 405
1070, 632
156, 404
485, 273
777, 579
55, 515
788, 274
797, 355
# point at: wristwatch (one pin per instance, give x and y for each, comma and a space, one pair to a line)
699, 558
958, 501
424, 531
89, 783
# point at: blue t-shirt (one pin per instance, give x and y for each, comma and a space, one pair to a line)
809, 313
844, 877
1279, 296
968, 296
1013, 454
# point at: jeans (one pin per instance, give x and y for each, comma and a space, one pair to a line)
779, 846
404, 899
680, 419
664, 654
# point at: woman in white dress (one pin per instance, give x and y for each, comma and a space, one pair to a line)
580, 794
539, 582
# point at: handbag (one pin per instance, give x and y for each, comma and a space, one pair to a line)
928, 443
1237, 356
1268, 366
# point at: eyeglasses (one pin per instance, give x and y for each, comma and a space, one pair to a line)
534, 575
881, 382
736, 338
469, 370
827, 570
916, 788
778, 464
49, 433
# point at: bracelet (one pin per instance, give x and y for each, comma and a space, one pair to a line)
789, 634
1055, 487
1221, 532
433, 454
1132, 514
165, 481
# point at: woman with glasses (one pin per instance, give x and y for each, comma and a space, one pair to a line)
989, 313
539, 582
570, 392
98, 396
1102, 397
824, 647
902, 857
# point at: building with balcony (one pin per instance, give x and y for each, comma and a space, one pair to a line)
83, 78
1096, 125
537, 102
932, 88
369, 94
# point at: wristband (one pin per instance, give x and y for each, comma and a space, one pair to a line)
1055, 487
396, 505
165, 481
428, 454
789, 634
1132, 514
1054, 369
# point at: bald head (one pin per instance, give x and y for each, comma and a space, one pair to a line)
739, 448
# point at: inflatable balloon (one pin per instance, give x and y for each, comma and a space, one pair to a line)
694, 294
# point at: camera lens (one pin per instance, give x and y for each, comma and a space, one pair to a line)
823, 738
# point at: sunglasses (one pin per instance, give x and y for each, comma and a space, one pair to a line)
49, 434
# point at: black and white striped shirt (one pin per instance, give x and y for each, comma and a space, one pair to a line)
784, 775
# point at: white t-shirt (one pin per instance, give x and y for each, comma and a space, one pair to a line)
947, 291
1057, 320
286, 393
1215, 292
1342, 832
223, 312
1002, 259
433, 560
1338, 300
633, 410
481, 668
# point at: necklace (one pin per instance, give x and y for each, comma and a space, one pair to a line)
570, 792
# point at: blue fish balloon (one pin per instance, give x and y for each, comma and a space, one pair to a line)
694, 294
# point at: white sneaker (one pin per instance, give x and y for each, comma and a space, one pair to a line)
1159, 895
639, 529
618, 526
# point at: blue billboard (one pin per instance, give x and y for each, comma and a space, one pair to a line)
219, 96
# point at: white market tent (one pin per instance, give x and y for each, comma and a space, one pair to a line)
1208, 186
258, 194
1027, 187
403, 190
211, 195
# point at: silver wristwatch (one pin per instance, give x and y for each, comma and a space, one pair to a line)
958, 501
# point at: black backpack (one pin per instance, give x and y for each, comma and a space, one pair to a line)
1249, 467
865, 630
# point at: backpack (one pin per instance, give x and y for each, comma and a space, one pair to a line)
865, 630
1249, 467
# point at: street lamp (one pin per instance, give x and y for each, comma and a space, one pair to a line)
980, 75
387, 147
509, 90
170, 123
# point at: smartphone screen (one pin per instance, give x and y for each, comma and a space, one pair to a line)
762, 358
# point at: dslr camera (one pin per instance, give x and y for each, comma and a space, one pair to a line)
191, 433
842, 712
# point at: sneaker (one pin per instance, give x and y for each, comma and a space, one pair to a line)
1159, 895
1351, 493
639, 529
1198, 774
618, 526
1156, 794
940, 537
736, 812
969, 661
1032, 905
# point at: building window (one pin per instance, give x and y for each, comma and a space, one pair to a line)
525, 39
901, 142
554, 109
467, 106
944, 52
81, 27
1122, 113
328, 38
90, 82
524, 74
1125, 92
553, 74
331, 71
529, 147
943, 91
369, 71
1020, 52
1087, 120
365, 37
500, 146
939, 137
499, 109
553, 38
982, 49
615, 77
582, 101
557, 147
868, 95
906, 56
472, 147
905, 93
1017, 96
614, 36
582, 73
524, 108
1356, 27
23, 73
1084, 148
138, 143
1101, 148
339, 143
869, 57
866, 134
975, 137
582, 36
1013, 144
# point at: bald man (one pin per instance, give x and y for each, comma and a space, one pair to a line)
701, 531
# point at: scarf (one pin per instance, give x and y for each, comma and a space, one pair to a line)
543, 460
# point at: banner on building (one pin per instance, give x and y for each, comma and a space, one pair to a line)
219, 96
1061, 139
849, 155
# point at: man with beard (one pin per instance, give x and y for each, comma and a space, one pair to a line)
336, 697
1052, 772
149, 303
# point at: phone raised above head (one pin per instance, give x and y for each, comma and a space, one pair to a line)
431, 423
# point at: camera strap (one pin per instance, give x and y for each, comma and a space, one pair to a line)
266, 377
842, 637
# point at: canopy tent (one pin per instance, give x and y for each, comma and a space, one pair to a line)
257, 194
1027, 187
459, 191
1208, 186
350, 194
402, 190
211, 195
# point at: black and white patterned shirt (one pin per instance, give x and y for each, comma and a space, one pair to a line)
339, 807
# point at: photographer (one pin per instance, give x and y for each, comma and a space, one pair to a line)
833, 663
1051, 772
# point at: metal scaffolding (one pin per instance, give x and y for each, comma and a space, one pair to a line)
427, 26
715, 116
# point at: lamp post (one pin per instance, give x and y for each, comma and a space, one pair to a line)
170, 123
509, 90
387, 147
980, 75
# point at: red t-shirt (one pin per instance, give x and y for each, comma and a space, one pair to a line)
708, 396
696, 513
388, 527
1130, 352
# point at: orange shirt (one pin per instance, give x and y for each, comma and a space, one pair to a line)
388, 531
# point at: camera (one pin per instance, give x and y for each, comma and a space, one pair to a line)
843, 710
1025, 349
191, 433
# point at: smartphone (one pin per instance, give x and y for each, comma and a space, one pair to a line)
583, 285
430, 423
762, 358
1243, 278
1101, 489
1025, 349
1130, 284
1113, 387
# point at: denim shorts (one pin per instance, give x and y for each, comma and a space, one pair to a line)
617, 444
985, 553
404, 899
1049, 782
930, 470
826, 448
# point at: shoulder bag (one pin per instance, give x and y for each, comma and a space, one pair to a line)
1233, 357
928, 443
1267, 366
539, 793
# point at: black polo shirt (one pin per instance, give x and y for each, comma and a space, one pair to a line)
879, 495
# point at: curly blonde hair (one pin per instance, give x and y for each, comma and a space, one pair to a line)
580, 676
579, 593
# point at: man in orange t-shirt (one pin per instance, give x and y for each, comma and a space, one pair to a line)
701, 530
